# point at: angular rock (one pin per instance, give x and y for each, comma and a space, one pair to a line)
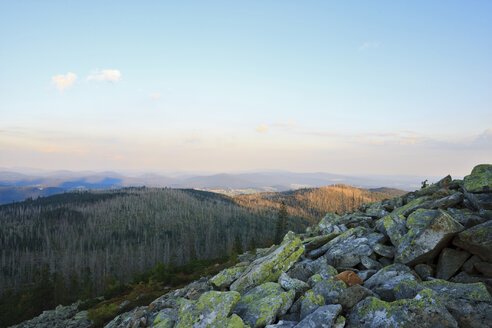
480, 179
323, 317
422, 311
329, 289
466, 217
385, 280
480, 201
429, 231
212, 309
376, 210
330, 224
425, 271
269, 268
448, 201
370, 264
383, 250
350, 278
226, 277
261, 305
320, 266
298, 286
300, 271
469, 265
410, 207
352, 295
470, 304
450, 261
346, 249
309, 302
395, 227
166, 318
484, 268
318, 241
477, 240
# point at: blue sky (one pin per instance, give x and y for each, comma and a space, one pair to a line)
354, 87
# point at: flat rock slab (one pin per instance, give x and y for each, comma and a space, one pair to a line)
429, 231
450, 260
477, 240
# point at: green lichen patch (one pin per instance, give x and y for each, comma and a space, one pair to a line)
226, 277
480, 179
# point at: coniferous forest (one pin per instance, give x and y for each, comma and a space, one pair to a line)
78, 245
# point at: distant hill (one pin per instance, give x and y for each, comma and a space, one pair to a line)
313, 203
226, 183
390, 191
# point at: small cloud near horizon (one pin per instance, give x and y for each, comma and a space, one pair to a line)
287, 126
112, 75
261, 128
155, 96
64, 81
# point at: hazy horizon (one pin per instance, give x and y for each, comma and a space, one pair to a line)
359, 88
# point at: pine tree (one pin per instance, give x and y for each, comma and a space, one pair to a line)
281, 223
238, 245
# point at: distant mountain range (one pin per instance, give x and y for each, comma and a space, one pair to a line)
17, 186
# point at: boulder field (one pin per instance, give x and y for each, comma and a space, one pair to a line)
420, 260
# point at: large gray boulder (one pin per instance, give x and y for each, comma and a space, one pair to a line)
271, 266
450, 261
261, 305
477, 240
429, 231
470, 304
385, 280
323, 317
480, 179
423, 311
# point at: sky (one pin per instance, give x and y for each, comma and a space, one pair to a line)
348, 87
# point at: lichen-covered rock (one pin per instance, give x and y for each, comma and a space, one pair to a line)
309, 302
166, 318
370, 264
61, 317
466, 217
226, 277
480, 179
347, 249
320, 266
329, 289
450, 260
318, 241
395, 227
331, 223
323, 317
376, 210
477, 240
384, 250
385, 280
410, 207
470, 304
429, 231
422, 311
298, 286
269, 268
481, 201
261, 305
447, 202
212, 309
352, 295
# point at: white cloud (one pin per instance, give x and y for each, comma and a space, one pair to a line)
112, 75
261, 128
155, 96
369, 45
64, 81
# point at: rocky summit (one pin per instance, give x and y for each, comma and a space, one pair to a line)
420, 260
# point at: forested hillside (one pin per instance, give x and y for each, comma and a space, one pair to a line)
313, 203
89, 236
